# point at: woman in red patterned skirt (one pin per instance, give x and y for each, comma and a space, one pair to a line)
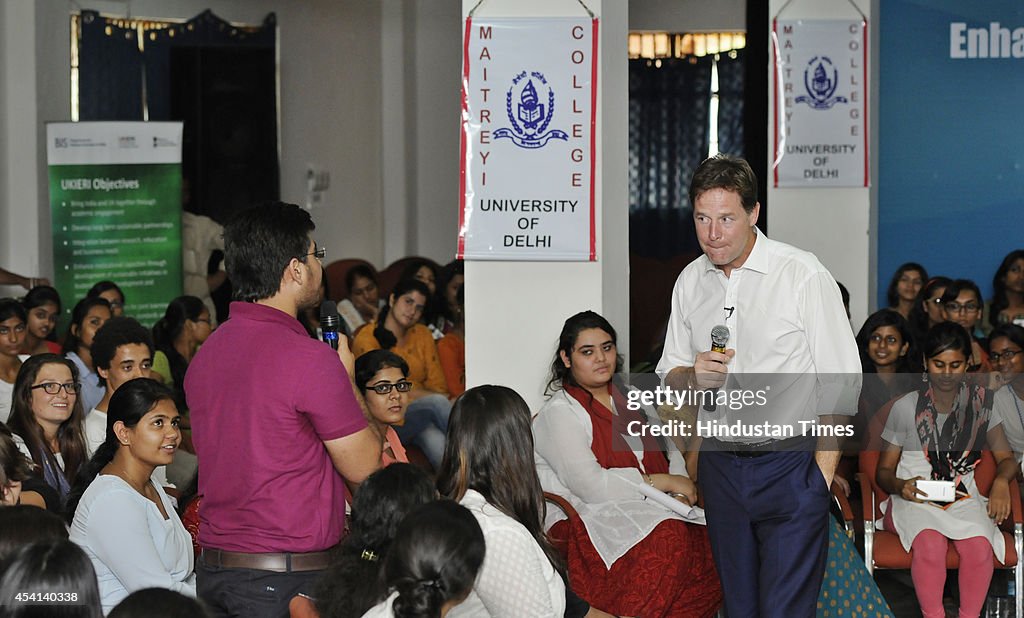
627, 554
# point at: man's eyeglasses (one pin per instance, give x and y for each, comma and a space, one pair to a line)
957, 307
52, 388
385, 387
1006, 355
319, 253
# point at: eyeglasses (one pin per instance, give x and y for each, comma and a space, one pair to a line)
1006, 355
957, 307
52, 388
385, 387
319, 253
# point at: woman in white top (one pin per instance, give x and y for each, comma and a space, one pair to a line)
125, 522
434, 558
47, 419
1006, 353
938, 433
627, 553
488, 467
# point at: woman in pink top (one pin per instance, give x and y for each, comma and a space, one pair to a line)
382, 376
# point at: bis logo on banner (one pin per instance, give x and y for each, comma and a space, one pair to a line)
821, 88
534, 115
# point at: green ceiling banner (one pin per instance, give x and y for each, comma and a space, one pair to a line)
115, 204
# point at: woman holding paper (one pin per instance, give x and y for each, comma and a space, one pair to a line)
937, 434
627, 554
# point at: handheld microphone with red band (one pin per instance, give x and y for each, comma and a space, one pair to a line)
329, 322
719, 339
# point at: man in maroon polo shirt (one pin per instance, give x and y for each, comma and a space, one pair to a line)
275, 422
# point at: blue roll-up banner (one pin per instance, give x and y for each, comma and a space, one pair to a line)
951, 137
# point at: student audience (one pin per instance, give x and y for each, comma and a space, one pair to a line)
1008, 285
352, 584
962, 304
19, 483
158, 603
914, 448
432, 564
12, 334
46, 418
15, 469
23, 525
382, 376
122, 350
109, 291
584, 455
1006, 352
56, 567
927, 310
489, 468
426, 419
904, 287
450, 279
42, 304
451, 349
426, 273
125, 522
364, 302
176, 336
87, 317
889, 358
484, 551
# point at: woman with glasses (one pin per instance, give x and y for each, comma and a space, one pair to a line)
1006, 353
904, 287
962, 304
42, 303
124, 521
382, 376
1008, 286
938, 433
12, 336
398, 329
46, 418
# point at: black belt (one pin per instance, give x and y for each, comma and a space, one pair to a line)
757, 449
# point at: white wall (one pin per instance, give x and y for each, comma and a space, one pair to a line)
20, 227
330, 53
515, 310
833, 223
688, 15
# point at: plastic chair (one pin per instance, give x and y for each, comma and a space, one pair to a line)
883, 549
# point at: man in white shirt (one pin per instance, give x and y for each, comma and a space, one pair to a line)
122, 350
766, 494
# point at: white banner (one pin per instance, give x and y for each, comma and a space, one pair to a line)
528, 143
821, 130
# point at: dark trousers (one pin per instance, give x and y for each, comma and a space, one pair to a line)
768, 524
248, 593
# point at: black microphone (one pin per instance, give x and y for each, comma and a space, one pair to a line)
719, 338
329, 322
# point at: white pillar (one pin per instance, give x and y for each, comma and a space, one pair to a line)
515, 310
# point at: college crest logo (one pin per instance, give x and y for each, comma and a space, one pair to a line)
822, 86
530, 116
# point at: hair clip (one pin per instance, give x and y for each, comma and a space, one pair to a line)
369, 554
